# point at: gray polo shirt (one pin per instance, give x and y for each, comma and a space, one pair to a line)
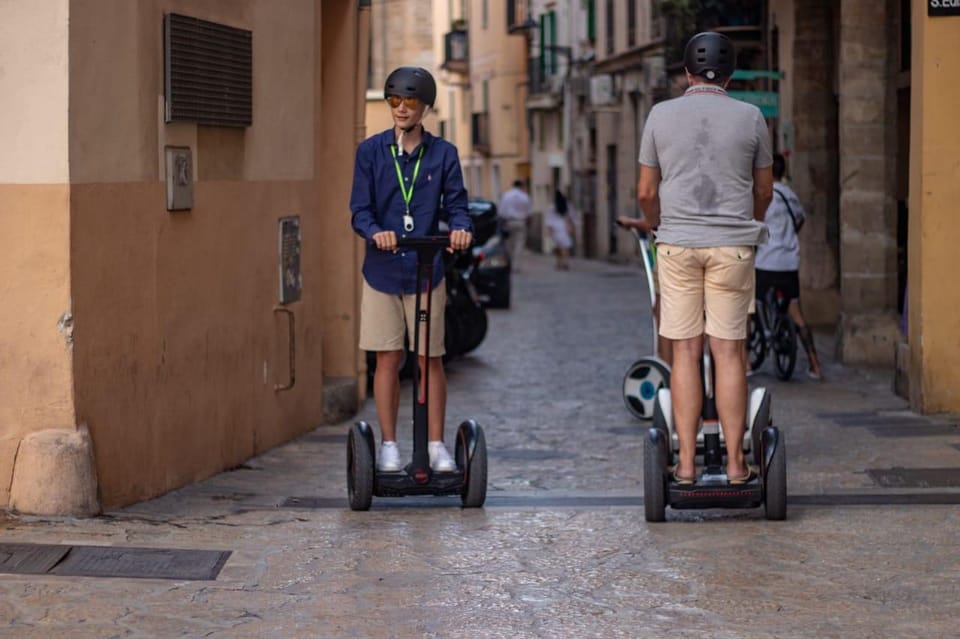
706, 145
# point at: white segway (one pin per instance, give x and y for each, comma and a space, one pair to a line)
712, 488
648, 374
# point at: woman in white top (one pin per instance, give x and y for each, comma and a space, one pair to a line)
561, 229
778, 261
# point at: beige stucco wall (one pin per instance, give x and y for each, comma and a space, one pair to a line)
36, 381
33, 83
36, 388
174, 347
934, 226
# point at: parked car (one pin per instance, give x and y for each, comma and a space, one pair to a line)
491, 271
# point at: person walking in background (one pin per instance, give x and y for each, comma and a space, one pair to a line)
778, 261
513, 211
559, 222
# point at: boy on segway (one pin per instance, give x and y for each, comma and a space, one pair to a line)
400, 178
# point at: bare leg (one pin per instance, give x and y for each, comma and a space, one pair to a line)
731, 389
686, 392
386, 392
437, 401
664, 344
806, 337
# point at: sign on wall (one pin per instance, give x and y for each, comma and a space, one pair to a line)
943, 7
291, 282
767, 101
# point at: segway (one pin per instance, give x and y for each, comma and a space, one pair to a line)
469, 479
649, 374
712, 489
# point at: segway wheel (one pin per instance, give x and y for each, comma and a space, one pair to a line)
640, 385
775, 478
654, 475
785, 347
760, 421
473, 466
360, 463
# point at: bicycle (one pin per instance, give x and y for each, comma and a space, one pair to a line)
772, 329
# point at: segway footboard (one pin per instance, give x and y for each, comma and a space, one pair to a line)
705, 494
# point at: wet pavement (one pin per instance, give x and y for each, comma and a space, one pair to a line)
561, 548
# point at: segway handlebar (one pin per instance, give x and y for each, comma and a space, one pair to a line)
637, 234
426, 241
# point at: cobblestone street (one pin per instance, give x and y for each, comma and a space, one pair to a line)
561, 548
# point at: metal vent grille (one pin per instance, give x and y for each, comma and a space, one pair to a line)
208, 72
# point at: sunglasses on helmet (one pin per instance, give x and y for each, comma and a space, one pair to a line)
410, 101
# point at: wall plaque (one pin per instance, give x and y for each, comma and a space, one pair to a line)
179, 178
291, 282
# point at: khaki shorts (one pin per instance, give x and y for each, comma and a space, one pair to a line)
384, 319
705, 290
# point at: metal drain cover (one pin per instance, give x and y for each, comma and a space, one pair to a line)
30, 559
112, 561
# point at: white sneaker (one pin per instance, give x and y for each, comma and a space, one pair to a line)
389, 458
440, 459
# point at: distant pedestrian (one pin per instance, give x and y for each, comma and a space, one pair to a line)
778, 261
560, 223
513, 212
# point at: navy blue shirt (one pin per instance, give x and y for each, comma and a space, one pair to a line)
377, 205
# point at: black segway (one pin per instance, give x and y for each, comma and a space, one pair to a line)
469, 479
712, 489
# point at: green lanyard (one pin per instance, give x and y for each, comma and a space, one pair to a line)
407, 195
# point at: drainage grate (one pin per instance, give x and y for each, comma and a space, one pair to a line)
112, 561
30, 559
915, 477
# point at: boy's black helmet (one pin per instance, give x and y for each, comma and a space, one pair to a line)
710, 55
412, 81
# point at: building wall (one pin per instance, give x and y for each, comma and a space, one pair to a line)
176, 343
497, 60
934, 322
36, 377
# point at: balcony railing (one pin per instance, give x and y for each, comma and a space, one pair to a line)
480, 132
456, 52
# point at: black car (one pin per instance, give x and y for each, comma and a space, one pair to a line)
491, 274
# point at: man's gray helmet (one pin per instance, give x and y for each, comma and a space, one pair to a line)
710, 55
412, 81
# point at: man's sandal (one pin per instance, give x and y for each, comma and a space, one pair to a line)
746, 479
682, 481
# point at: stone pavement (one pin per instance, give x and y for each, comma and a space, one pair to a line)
562, 548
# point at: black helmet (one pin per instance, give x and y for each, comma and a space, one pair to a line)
411, 81
710, 55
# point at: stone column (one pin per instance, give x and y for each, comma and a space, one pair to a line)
868, 331
809, 66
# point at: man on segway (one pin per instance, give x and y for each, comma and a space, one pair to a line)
400, 178
705, 184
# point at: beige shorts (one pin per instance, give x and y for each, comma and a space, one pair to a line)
384, 320
705, 290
